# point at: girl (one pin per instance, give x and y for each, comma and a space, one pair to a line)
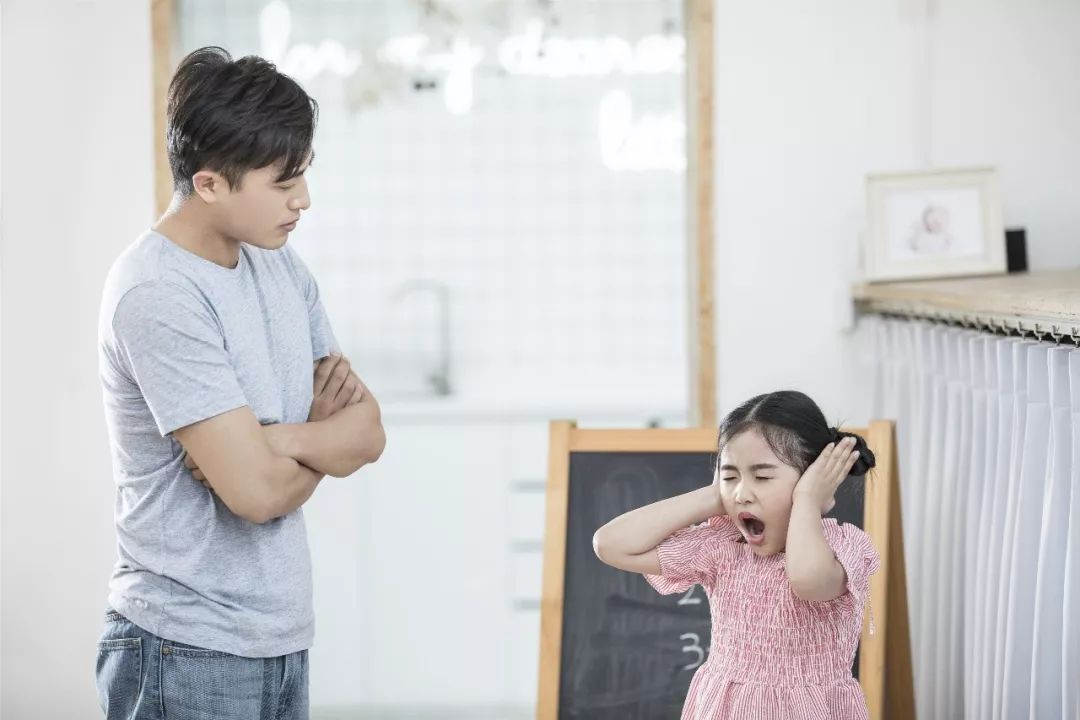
786, 588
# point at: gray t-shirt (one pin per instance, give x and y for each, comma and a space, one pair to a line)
182, 339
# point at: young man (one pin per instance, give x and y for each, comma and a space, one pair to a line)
227, 401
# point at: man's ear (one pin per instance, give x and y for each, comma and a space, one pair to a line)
209, 185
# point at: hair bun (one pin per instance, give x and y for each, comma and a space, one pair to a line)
866, 456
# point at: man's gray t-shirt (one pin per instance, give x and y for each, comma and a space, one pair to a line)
182, 340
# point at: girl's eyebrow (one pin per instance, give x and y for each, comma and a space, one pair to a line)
753, 468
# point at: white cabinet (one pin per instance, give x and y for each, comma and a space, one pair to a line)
427, 570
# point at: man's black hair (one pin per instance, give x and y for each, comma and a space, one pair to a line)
231, 116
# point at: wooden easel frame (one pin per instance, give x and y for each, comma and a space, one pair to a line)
889, 646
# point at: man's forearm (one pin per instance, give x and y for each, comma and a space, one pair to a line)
294, 484
339, 445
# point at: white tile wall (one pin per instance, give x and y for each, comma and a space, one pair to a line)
565, 278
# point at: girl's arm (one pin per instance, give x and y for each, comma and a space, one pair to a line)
812, 568
629, 541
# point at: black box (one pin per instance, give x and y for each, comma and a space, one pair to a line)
1016, 250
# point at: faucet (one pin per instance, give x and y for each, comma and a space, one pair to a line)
439, 379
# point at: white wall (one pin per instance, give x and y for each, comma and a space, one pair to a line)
1005, 91
811, 97
77, 182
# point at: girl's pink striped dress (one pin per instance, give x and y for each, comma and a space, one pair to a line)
772, 656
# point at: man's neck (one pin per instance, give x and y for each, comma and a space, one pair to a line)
187, 225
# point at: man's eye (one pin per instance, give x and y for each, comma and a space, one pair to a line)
730, 479
286, 187
763, 478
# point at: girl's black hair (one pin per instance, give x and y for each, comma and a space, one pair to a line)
231, 116
793, 426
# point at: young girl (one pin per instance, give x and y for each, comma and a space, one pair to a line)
786, 588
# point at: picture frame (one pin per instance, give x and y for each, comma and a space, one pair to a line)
933, 224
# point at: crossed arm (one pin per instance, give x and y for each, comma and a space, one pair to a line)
264, 472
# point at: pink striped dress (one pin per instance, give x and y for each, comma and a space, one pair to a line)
772, 656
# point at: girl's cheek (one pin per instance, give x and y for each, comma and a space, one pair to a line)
728, 504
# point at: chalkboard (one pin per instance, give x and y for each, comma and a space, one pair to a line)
612, 647
628, 652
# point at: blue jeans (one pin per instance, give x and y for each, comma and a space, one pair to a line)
143, 677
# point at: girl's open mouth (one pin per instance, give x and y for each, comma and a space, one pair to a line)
753, 528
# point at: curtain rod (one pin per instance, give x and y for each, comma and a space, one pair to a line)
1056, 330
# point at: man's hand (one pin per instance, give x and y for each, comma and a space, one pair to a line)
334, 387
189, 463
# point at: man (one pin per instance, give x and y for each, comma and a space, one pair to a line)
219, 426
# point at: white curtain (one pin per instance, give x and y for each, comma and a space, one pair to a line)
989, 442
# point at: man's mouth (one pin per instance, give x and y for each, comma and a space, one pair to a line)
753, 527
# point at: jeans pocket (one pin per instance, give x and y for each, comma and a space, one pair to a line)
293, 697
119, 676
197, 683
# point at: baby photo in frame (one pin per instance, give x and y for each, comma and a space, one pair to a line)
931, 224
